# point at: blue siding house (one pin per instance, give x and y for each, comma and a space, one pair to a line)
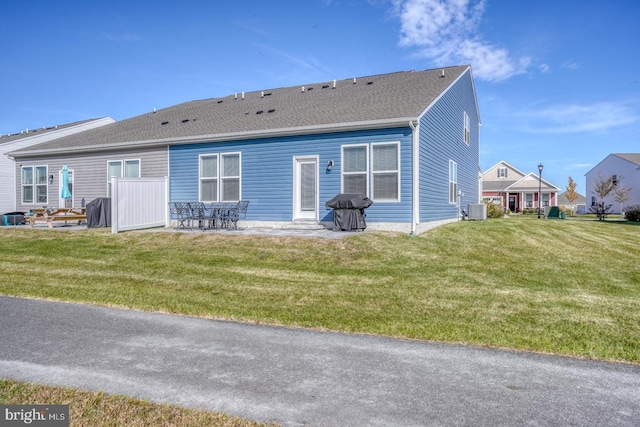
408, 140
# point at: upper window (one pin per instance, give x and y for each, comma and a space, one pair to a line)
453, 181
122, 169
34, 184
220, 177
372, 170
467, 127
502, 172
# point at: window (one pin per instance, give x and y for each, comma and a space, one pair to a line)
502, 172
230, 177
467, 127
385, 170
220, 177
593, 200
355, 169
528, 200
545, 199
35, 186
453, 181
209, 178
120, 169
372, 170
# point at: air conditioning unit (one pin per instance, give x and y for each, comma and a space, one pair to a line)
477, 211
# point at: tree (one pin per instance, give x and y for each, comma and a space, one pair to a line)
601, 188
570, 193
621, 194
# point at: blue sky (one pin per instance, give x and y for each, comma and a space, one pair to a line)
558, 81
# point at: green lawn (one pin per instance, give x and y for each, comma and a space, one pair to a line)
566, 287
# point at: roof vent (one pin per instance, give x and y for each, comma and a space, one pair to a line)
442, 75
259, 112
185, 120
334, 83
325, 86
310, 88
302, 90
220, 102
262, 94
164, 123
271, 110
369, 83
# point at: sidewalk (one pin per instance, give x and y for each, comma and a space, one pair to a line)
298, 377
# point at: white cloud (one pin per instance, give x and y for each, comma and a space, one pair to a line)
580, 118
446, 31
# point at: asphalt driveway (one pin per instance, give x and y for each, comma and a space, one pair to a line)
299, 377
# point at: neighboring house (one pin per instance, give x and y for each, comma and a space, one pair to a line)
28, 138
515, 190
623, 168
578, 206
407, 140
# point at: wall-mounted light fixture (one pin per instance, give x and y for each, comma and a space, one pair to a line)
51, 179
329, 165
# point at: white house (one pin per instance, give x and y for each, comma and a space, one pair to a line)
624, 168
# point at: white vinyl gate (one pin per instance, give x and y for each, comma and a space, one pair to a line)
138, 203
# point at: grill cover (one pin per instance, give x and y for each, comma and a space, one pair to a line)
348, 211
99, 213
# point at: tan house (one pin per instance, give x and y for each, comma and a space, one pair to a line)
517, 191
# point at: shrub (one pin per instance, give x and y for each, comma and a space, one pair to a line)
632, 213
494, 211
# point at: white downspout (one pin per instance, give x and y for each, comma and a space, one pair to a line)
415, 209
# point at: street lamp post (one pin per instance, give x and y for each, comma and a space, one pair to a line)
540, 166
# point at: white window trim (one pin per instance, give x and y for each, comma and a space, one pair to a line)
139, 167
366, 171
219, 177
35, 184
216, 178
466, 133
222, 177
397, 171
122, 169
369, 172
453, 165
533, 201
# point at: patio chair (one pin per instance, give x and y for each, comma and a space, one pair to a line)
180, 213
197, 214
216, 215
240, 211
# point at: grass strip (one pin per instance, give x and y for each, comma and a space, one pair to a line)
97, 409
565, 287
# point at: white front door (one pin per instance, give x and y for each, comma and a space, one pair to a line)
305, 188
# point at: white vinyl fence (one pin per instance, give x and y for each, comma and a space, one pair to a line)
138, 203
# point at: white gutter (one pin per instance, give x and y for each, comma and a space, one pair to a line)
415, 150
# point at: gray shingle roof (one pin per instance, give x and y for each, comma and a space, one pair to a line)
632, 157
27, 133
385, 100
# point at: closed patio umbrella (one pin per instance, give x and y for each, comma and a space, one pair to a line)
65, 193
